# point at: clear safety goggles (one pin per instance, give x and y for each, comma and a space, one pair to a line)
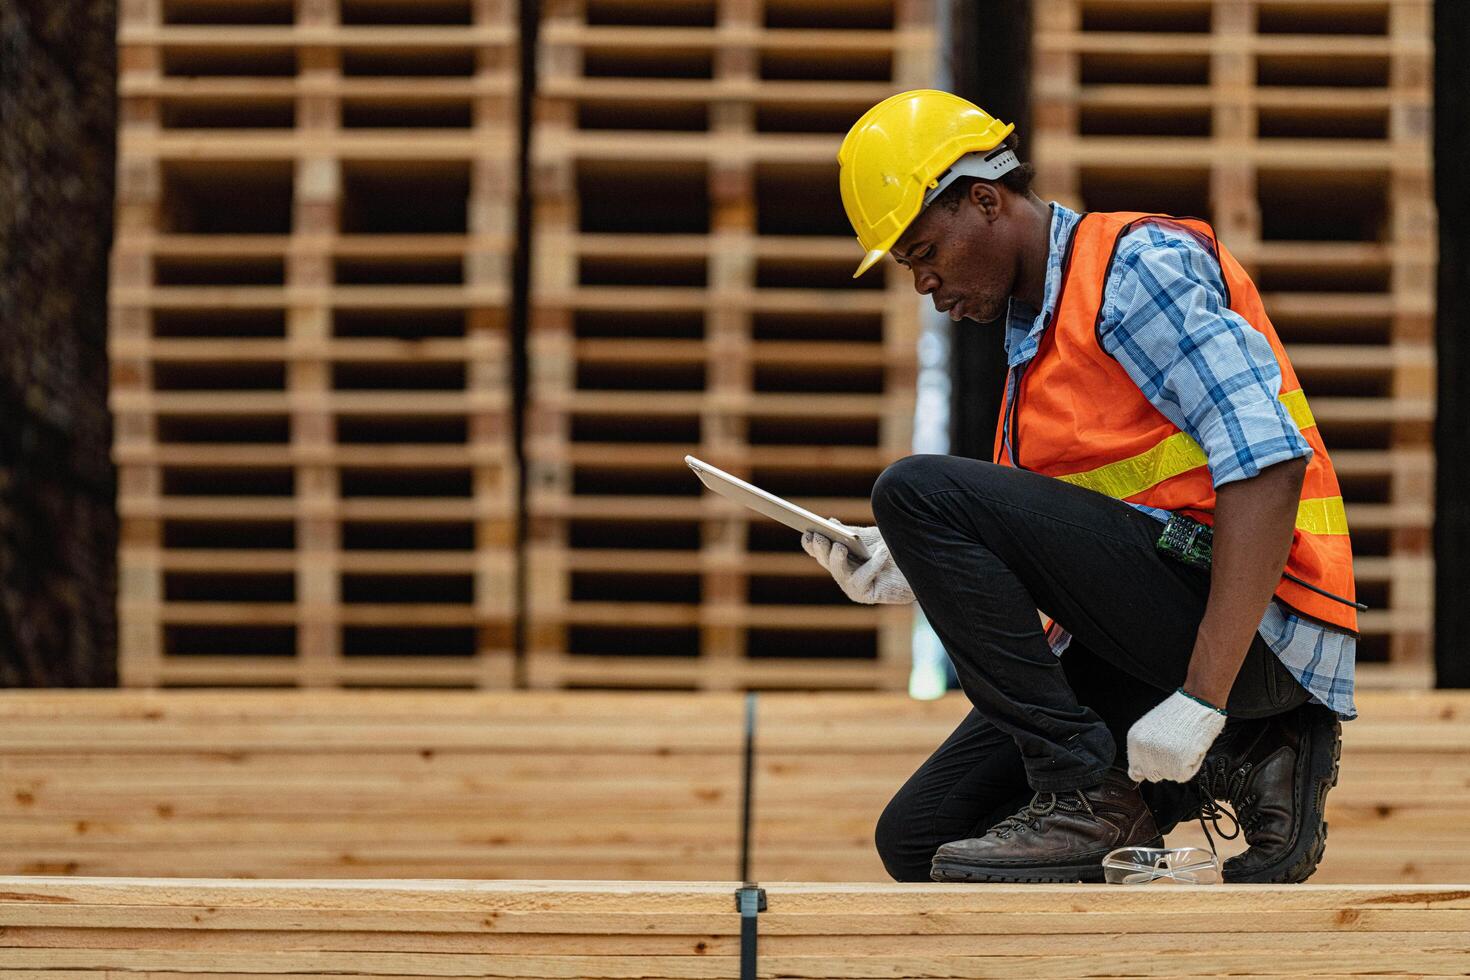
1170, 865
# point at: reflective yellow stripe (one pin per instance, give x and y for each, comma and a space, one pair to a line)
1295, 403
1179, 453
1171, 456
1322, 515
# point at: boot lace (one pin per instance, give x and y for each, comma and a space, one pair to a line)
1220, 780
1070, 801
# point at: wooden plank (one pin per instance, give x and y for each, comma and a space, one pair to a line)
632, 784
57, 927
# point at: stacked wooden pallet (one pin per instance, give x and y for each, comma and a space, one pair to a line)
1301, 130
70, 928
557, 784
310, 341
692, 294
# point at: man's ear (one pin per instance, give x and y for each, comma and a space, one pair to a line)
985, 196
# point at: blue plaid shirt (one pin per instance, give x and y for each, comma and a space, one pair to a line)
1165, 320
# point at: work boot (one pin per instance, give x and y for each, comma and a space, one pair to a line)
1058, 836
1275, 773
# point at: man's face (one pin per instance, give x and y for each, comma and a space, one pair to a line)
965, 259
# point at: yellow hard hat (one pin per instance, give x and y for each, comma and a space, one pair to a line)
906, 149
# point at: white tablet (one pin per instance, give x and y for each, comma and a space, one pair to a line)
772, 506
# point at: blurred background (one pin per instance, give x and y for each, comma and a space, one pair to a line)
358, 343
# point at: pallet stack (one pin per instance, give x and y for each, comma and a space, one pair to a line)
692, 294
1301, 130
310, 341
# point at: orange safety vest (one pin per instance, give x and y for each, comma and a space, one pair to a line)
1074, 414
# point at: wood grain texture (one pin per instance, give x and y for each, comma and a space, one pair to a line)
83, 927
692, 294
546, 784
310, 343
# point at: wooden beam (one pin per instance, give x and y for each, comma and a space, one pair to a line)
615, 784
56, 927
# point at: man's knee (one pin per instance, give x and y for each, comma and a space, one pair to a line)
903, 482
903, 857
900, 487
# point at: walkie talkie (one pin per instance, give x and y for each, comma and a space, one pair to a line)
1186, 539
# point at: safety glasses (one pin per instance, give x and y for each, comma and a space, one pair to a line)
1171, 865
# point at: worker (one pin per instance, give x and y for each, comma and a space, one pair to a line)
1159, 491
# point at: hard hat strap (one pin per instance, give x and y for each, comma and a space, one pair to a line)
977, 164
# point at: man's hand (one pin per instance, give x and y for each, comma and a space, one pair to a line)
875, 580
1170, 741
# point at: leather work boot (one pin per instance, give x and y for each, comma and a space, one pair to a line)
1056, 837
1275, 773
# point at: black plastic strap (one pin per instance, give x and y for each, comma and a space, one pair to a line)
747, 787
750, 900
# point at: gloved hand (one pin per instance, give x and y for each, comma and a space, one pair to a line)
1170, 741
875, 580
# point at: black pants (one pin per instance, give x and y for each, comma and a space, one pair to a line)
983, 546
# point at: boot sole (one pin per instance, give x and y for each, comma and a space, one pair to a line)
1323, 762
952, 871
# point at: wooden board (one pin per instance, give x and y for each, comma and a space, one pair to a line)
578, 784
71, 928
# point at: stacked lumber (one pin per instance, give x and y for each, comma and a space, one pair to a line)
555, 784
692, 294
309, 342
69, 928
1301, 130
336, 784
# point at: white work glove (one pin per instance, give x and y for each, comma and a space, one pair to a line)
1170, 741
875, 580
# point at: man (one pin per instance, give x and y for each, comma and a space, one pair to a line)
1147, 390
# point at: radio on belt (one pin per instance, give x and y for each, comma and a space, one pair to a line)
1187, 540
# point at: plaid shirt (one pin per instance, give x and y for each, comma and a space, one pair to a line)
1209, 372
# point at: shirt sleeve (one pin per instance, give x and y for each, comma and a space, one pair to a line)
1203, 366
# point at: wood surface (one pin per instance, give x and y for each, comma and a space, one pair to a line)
691, 294
310, 343
579, 784
80, 927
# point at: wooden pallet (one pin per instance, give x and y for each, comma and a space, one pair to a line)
1300, 129
566, 784
692, 294
310, 342
57, 928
